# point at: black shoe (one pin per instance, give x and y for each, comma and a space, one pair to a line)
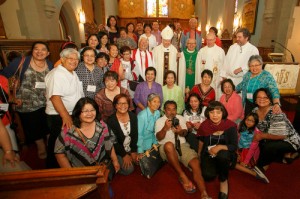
222, 195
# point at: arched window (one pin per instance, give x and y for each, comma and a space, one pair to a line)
157, 8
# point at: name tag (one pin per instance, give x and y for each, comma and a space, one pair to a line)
40, 85
4, 107
249, 95
91, 88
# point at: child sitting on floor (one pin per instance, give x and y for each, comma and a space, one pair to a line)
248, 149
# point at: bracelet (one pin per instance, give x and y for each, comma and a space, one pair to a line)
277, 104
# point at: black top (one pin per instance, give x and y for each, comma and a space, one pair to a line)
114, 125
228, 138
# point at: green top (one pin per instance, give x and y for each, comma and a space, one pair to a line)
175, 94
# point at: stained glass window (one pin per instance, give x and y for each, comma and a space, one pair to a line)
157, 8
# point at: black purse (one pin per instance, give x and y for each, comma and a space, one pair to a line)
151, 162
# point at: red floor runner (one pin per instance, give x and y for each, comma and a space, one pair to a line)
284, 184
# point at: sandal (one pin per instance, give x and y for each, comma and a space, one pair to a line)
188, 188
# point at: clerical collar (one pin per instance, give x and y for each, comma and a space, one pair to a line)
190, 51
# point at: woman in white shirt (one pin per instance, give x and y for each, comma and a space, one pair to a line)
151, 38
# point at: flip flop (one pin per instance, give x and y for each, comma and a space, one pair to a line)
188, 188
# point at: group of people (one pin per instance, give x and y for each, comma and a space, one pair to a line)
113, 99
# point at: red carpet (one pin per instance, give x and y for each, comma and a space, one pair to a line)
284, 183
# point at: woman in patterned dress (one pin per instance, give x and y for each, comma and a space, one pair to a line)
30, 98
88, 142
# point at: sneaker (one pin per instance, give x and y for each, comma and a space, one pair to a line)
260, 175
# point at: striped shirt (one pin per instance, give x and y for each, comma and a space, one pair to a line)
82, 154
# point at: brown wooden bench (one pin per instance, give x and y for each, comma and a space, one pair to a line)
84, 182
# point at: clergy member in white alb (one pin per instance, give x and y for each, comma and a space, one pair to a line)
165, 55
211, 57
236, 60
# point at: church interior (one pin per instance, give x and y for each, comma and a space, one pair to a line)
274, 26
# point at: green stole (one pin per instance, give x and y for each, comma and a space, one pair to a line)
190, 63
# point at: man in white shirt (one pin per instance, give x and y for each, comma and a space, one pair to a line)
236, 60
211, 57
63, 90
174, 148
165, 55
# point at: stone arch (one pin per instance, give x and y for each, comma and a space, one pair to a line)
70, 22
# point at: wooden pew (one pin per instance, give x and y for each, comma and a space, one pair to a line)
84, 182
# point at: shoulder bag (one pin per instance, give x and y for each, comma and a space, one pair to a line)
151, 162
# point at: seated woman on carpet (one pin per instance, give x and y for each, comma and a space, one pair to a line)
194, 116
124, 125
278, 141
88, 142
217, 146
146, 123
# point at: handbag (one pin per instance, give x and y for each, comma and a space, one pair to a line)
14, 81
151, 162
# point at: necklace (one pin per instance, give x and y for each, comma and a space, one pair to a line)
38, 65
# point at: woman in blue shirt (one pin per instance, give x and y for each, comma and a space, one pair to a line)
254, 79
146, 123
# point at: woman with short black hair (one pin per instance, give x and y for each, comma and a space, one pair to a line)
88, 142
218, 145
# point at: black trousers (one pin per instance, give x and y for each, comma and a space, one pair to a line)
272, 151
34, 125
192, 139
55, 125
217, 166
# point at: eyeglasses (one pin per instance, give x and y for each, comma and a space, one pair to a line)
191, 43
122, 104
262, 98
249, 120
88, 111
256, 65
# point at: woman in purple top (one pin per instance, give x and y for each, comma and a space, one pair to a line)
145, 88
